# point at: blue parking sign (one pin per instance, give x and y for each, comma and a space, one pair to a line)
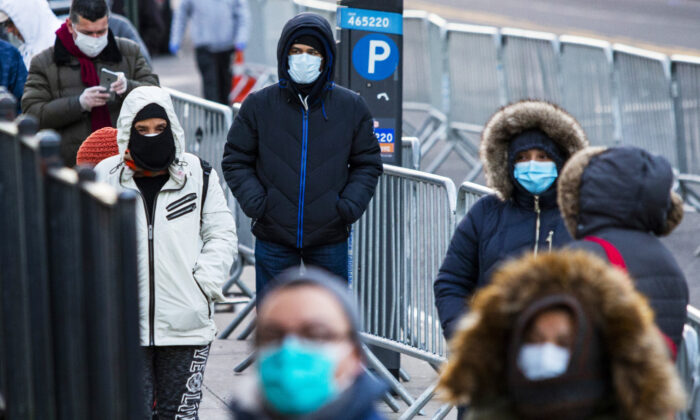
375, 57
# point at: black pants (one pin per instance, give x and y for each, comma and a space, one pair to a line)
173, 377
216, 73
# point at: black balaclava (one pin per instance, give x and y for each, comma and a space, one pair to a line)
578, 393
152, 153
317, 44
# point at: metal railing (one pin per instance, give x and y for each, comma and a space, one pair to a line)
467, 195
397, 249
458, 75
69, 313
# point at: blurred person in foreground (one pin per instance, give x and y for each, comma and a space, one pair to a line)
309, 355
63, 87
32, 23
219, 28
186, 245
523, 148
561, 336
615, 203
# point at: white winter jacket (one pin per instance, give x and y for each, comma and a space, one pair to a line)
36, 22
183, 261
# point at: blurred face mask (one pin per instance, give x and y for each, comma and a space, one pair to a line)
543, 361
298, 376
90, 45
535, 176
304, 68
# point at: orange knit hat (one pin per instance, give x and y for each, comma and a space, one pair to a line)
98, 146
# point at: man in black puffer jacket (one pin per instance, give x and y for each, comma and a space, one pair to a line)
301, 157
621, 197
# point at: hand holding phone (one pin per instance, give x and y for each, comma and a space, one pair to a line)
107, 78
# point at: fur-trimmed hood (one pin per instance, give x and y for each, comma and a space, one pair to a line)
646, 386
625, 187
513, 119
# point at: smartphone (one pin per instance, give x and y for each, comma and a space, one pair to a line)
107, 77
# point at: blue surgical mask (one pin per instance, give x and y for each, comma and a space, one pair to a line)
298, 377
304, 68
543, 361
535, 176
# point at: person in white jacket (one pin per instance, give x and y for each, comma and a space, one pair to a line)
186, 245
33, 22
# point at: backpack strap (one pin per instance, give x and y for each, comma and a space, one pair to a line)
206, 171
613, 254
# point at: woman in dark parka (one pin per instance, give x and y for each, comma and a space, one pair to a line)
529, 141
623, 196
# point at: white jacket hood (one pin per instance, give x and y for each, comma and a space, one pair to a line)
36, 22
135, 102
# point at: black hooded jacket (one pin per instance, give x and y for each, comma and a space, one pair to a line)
623, 196
303, 175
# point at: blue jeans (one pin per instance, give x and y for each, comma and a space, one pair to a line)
271, 259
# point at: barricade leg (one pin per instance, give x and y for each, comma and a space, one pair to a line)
385, 375
247, 331
245, 364
238, 319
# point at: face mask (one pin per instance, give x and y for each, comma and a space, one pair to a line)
153, 152
543, 361
304, 68
298, 377
90, 45
535, 176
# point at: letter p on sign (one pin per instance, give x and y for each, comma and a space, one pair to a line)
375, 46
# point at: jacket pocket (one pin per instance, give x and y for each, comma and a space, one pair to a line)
181, 212
204, 295
180, 201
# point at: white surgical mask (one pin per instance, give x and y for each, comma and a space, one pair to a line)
543, 361
90, 45
304, 68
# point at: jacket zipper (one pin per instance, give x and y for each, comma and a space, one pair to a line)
151, 269
151, 264
302, 175
537, 224
550, 238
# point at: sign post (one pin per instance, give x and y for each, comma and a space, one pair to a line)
370, 63
371, 58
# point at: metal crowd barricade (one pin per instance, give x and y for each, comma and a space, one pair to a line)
587, 77
685, 73
323, 8
393, 269
69, 316
643, 81
424, 81
475, 91
530, 65
467, 195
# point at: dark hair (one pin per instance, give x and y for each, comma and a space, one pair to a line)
91, 10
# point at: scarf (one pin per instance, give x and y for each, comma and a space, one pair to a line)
88, 75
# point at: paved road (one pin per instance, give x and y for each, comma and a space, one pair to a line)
671, 26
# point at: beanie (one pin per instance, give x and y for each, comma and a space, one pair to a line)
535, 139
311, 41
151, 110
326, 281
98, 146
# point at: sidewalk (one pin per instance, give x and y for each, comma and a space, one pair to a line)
221, 384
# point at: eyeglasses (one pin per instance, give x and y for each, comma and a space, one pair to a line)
273, 335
